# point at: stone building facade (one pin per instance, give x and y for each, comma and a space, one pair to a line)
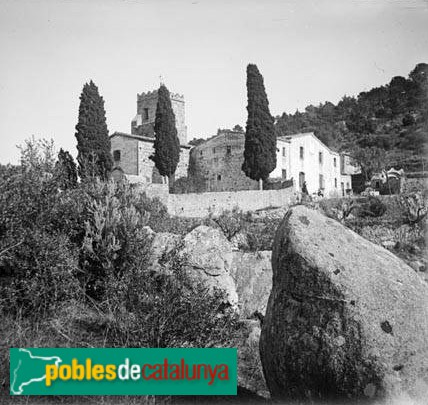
131, 152
144, 121
131, 159
216, 164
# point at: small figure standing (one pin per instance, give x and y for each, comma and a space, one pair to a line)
304, 188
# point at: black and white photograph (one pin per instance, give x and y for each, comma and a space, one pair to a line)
214, 201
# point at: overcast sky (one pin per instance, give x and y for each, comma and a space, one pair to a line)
308, 51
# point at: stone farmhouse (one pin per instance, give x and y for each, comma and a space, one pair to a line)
131, 151
216, 164
301, 157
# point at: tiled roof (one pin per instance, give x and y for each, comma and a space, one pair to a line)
141, 138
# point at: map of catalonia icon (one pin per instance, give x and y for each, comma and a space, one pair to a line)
28, 369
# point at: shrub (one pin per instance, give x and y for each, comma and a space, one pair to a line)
260, 234
414, 207
167, 309
25, 201
340, 209
114, 235
41, 274
374, 207
231, 222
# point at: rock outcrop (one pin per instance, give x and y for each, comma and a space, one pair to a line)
205, 254
208, 258
252, 273
346, 319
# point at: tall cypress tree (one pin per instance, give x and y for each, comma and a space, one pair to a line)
260, 138
167, 145
65, 170
93, 142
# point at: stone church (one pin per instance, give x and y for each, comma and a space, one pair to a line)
131, 151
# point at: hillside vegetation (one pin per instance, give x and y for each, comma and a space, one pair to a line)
386, 126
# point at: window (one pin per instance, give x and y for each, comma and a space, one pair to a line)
283, 152
320, 157
335, 181
228, 150
302, 152
219, 177
201, 153
284, 173
146, 114
321, 182
214, 150
116, 155
215, 160
301, 179
334, 162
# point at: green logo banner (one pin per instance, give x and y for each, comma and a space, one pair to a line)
107, 371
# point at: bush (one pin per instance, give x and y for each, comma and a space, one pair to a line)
167, 309
414, 207
374, 207
41, 272
260, 234
115, 238
365, 207
408, 120
231, 222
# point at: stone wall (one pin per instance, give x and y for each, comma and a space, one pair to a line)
200, 205
159, 191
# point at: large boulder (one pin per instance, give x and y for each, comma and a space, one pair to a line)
208, 258
250, 371
252, 273
346, 319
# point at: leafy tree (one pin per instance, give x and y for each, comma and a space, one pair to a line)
65, 170
167, 144
260, 137
38, 155
420, 74
370, 159
93, 142
238, 128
